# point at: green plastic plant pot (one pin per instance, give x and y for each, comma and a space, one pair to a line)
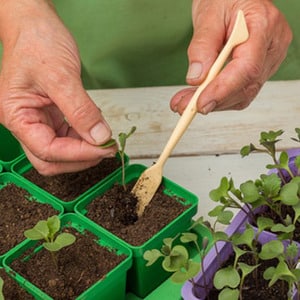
112, 286
10, 148
23, 165
142, 279
36, 195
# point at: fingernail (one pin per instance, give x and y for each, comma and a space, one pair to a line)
208, 107
194, 71
100, 133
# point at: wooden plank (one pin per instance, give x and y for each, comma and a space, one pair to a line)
276, 107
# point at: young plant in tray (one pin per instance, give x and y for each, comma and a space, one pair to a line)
48, 231
176, 258
271, 202
122, 137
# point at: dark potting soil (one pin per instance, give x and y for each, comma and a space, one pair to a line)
115, 210
18, 214
12, 290
255, 287
78, 267
69, 186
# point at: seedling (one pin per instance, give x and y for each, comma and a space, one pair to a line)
176, 258
122, 137
1, 289
48, 230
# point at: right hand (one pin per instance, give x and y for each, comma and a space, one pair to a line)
42, 100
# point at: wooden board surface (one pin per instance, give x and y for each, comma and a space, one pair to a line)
276, 107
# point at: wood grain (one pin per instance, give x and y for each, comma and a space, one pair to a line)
276, 107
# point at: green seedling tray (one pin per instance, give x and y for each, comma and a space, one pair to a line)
23, 165
112, 287
141, 279
10, 148
37, 195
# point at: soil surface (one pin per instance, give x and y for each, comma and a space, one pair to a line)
18, 214
69, 186
255, 286
11, 290
115, 210
78, 267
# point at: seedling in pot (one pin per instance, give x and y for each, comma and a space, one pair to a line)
122, 137
48, 230
176, 258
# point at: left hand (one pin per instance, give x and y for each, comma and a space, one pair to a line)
252, 63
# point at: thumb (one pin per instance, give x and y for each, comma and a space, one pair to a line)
207, 41
83, 115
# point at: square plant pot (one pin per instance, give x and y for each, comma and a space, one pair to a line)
13, 289
21, 206
111, 285
10, 148
68, 189
142, 279
216, 257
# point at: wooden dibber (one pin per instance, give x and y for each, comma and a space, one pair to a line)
150, 179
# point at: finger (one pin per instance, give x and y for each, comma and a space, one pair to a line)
180, 100
53, 168
44, 143
207, 41
82, 113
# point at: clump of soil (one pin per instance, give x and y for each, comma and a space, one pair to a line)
78, 267
18, 214
115, 210
12, 290
69, 186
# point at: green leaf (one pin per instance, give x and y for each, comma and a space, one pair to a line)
152, 256
188, 237
1, 289
229, 294
289, 194
246, 269
176, 260
297, 162
65, 239
282, 271
264, 223
225, 217
220, 192
108, 144
272, 249
52, 246
292, 250
220, 236
282, 228
53, 224
245, 237
249, 191
271, 185
38, 232
226, 277
182, 275
216, 210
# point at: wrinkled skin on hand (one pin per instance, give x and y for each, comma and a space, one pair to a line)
252, 63
40, 88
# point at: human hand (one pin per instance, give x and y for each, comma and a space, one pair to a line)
251, 64
42, 100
